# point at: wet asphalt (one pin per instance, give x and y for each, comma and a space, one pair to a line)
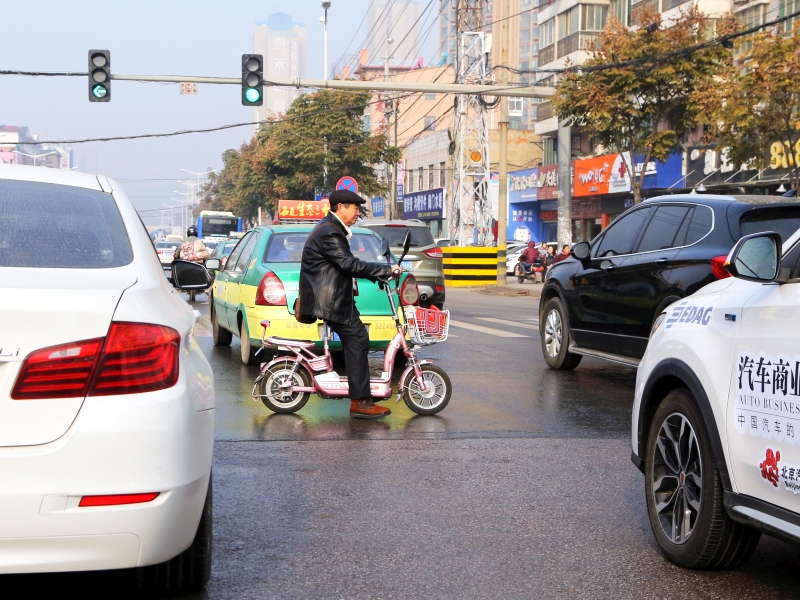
521, 488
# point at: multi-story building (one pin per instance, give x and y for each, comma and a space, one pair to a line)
398, 19
282, 43
16, 148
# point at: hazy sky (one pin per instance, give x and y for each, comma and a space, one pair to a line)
165, 37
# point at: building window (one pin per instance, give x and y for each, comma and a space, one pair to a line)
525, 51
575, 146
431, 176
594, 16
549, 156
568, 22
548, 31
420, 173
409, 178
619, 8
525, 36
750, 17
430, 96
787, 7
515, 107
442, 174
430, 123
535, 33
367, 123
525, 20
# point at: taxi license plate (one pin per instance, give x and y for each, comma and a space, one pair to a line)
336, 337
407, 265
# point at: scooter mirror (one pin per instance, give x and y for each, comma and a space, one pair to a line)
385, 248
406, 244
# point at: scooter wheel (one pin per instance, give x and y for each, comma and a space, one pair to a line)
436, 395
521, 279
274, 397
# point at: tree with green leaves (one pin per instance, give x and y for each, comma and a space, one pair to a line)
320, 139
753, 108
636, 104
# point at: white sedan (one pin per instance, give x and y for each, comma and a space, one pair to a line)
166, 251
106, 401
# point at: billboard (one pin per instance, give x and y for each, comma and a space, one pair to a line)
302, 210
426, 206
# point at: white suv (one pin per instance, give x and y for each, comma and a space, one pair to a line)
716, 418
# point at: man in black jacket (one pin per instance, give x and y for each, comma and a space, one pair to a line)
327, 270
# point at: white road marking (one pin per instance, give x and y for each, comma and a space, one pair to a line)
512, 323
487, 330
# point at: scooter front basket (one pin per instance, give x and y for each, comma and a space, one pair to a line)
427, 326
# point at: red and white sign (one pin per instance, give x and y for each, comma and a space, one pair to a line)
302, 210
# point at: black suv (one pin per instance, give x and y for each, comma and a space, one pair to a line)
603, 300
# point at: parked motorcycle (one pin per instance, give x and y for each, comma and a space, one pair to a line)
285, 384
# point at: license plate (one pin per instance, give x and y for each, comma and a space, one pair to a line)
336, 337
407, 265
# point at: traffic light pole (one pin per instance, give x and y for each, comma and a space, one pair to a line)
375, 86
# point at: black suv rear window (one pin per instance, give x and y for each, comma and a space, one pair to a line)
420, 236
49, 226
785, 221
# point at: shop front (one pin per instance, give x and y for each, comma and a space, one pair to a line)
427, 206
548, 202
523, 210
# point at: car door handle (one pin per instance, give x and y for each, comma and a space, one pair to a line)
609, 268
661, 262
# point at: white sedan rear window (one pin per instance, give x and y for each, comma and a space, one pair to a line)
49, 226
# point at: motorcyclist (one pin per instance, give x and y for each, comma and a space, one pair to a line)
529, 255
192, 249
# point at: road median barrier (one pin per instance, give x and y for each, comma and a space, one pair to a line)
470, 265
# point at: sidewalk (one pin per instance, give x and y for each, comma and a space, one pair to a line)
511, 288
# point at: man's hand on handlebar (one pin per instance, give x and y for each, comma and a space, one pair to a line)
396, 272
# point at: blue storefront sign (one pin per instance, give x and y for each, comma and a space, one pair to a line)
426, 206
524, 224
378, 207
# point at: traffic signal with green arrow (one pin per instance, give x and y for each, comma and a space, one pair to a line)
99, 76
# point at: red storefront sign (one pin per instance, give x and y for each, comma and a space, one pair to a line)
302, 210
548, 182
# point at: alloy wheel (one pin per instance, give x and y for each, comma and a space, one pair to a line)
677, 478
433, 395
553, 333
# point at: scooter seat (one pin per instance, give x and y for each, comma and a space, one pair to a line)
279, 341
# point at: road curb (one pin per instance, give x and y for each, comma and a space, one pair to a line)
534, 291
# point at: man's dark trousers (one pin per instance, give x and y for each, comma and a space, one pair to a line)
355, 343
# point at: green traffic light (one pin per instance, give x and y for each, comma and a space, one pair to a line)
99, 91
252, 95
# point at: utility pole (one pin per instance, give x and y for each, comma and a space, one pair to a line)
395, 208
502, 208
564, 184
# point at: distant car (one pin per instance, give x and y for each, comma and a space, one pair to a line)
442, 242
513, 250
106, 399
166, 251
602, 301
424, 259
715, 420
260, 280
211, 245
174, 238
223, 251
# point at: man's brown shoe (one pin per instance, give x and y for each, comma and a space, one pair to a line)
367, 410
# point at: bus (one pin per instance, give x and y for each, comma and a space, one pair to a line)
214, 223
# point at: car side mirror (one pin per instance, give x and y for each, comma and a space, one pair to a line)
756, 257
406, 245
188, 275
212, 264
582, 251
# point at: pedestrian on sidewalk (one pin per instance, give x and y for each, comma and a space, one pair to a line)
327, 279
563, 255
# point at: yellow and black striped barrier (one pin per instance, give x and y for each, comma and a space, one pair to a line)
470, 265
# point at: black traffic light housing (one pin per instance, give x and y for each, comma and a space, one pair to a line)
252, 79
99, 75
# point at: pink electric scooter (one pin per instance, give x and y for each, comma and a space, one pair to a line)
285, 384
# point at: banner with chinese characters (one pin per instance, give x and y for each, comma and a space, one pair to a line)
426, 206
302, 210
378, 207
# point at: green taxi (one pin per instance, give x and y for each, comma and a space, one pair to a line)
260, 279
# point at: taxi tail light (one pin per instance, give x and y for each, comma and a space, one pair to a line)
63, 371
409, 292
433, 252
270, 291
718, 267
117, 499
137, 357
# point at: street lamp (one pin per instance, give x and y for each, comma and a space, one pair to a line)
35, 156
326, 4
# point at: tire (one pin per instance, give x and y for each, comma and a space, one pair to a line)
269, 387
221, 337
248, 353
429, 402
554, 334
191, 569
699, 535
